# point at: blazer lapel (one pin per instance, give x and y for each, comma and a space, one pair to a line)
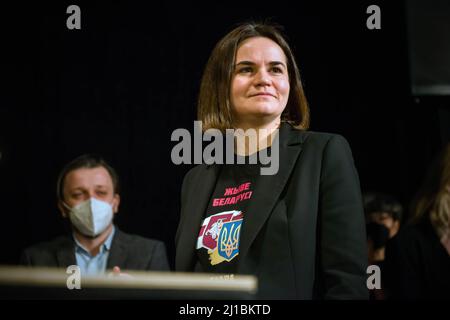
269, 188
118, 252
193, 212
65, 255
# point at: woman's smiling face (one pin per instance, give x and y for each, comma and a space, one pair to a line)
260, 82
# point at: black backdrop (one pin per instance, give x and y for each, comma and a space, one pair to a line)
130, 76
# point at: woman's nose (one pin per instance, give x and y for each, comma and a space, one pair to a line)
262, 78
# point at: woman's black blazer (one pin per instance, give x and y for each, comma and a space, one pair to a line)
304, 236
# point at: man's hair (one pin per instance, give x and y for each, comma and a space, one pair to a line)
214, 105
88, 161
377, 203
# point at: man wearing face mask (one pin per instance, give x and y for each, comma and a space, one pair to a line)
88, 196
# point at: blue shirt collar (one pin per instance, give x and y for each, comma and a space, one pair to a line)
106, 246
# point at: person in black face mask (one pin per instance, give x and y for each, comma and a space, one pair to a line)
384, 210
377, 237
383, 218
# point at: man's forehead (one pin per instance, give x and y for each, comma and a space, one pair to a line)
93, 176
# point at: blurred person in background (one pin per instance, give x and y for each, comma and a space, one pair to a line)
88, 197
383, 218
418, 258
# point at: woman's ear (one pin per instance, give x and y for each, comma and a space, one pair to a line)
116, 203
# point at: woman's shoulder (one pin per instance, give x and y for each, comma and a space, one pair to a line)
323, 136
322, 141
312, 137
196, 170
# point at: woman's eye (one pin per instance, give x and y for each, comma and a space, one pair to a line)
277, 70
245, 70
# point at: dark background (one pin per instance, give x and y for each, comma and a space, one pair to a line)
130, 76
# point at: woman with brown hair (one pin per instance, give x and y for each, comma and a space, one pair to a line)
300, 230
418, 258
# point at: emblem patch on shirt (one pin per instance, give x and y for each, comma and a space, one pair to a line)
220, 234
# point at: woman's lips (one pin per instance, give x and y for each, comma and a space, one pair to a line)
262, 94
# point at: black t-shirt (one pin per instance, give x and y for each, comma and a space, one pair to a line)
219, 236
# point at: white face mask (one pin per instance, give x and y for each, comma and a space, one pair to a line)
91, 217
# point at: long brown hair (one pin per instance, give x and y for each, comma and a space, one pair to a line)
433, 199
214, 107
